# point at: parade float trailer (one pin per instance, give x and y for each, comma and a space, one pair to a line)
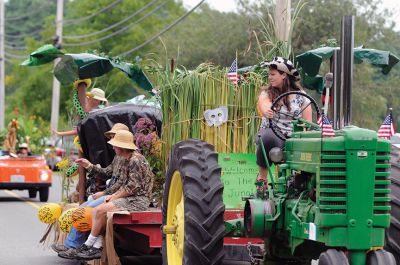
328, 198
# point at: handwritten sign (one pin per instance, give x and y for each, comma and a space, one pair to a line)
239, 173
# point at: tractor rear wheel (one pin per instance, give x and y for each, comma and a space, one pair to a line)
380, 257
193, 210
333, 257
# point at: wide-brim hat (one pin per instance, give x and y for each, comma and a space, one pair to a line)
283, 65
115, 128
97, 93
23, 145
88, 82
123, 139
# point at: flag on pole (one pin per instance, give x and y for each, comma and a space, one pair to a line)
319, 121
387, 128
324, 123
232, 73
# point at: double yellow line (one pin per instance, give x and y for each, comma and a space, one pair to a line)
34, 205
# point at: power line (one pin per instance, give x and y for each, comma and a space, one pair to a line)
24, 16
11, 44
163, 31
7, 60
116, 32
23, 35
68, 22
15, 55
112, 26
13, 47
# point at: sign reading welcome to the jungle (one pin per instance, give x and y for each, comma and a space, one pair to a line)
239, 172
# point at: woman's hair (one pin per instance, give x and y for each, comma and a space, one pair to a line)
289, 84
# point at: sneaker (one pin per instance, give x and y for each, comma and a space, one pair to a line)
58, 248
71, 253
89, 254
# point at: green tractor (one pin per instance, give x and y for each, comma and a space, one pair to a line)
328, 199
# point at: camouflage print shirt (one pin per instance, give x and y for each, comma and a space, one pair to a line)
112, 171
136, 178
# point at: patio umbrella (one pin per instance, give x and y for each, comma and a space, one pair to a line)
43, 55
72, 67
310, 61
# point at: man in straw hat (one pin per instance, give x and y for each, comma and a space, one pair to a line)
135, 184
75, 238
95, 98
84, 102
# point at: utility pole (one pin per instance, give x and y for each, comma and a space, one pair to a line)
283, 19
55, 102
2, 59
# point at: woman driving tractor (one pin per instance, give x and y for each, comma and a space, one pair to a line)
282, 77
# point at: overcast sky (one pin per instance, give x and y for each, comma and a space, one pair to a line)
230, 5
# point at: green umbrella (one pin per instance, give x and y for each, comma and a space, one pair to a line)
310, 61
43, 55
72, 67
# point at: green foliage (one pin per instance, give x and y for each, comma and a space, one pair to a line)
210, 36
31, 129
205, 36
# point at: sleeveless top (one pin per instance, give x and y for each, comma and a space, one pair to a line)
283, 122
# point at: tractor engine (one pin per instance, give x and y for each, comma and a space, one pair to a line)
329, 192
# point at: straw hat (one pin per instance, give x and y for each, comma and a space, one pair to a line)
23, 145
123, 139
88, 82
97, 93
115, 128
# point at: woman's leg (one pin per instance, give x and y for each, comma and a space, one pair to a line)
75, 238
269, 140
263, 172
100, 217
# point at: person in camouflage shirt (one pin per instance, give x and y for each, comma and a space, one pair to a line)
135, 184
75, 238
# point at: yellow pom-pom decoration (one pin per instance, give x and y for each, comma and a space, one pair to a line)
65, 220
62, 164
77, 144
49, 212
88, 82
82, 219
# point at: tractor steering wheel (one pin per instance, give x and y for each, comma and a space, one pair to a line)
276, 108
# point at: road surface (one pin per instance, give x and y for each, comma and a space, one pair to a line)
21, 230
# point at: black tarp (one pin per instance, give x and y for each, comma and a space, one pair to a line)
91, 129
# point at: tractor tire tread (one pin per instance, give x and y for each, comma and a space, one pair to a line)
197, 163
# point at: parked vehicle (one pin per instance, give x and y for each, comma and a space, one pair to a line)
63, 147
25, 173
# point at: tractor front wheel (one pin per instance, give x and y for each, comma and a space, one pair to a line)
392, 241
193, 210
380, 257
333, 257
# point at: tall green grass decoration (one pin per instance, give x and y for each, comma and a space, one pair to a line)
185, 95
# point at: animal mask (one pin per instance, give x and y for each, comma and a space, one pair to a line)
216, 117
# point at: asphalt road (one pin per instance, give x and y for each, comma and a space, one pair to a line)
21, 230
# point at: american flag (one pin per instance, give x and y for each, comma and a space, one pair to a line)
387, 128
327, 130
232, 73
